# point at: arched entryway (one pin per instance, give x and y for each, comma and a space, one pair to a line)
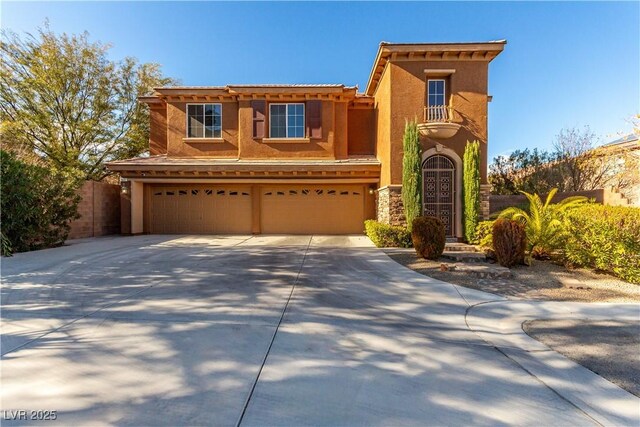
439, 191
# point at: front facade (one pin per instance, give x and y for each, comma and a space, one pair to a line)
311, 159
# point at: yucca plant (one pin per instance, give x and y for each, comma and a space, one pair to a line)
544, 221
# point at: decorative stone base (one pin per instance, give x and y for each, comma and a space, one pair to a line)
389, 205
485, 192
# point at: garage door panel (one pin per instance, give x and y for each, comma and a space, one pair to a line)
320, 209
200, 209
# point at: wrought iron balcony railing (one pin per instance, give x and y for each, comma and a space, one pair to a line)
438, 114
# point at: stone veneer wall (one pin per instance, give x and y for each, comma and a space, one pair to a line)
389, 209
485, 206
389, 205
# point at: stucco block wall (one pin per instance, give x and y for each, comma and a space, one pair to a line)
99, 211
605, 196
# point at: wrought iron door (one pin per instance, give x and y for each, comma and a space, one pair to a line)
439, 191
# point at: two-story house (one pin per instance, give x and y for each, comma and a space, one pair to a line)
306, 159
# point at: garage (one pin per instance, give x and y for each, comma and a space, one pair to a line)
320, 209
200, 209
281, 209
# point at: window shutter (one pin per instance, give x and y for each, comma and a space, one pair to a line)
314, 119
259, 115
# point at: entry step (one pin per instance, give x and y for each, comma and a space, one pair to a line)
464, 256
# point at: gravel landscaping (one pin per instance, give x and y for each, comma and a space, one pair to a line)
544, 280
608, 348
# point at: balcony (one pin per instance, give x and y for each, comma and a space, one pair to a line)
438, 122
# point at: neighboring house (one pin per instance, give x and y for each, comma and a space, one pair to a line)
622, 163
307, 159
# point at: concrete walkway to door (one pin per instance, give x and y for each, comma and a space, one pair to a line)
276, 330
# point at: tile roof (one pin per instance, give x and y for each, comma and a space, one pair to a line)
299, 85
164, 160
627, 138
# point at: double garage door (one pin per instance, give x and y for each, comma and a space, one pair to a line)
268, 209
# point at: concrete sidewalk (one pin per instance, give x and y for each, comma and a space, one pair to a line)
500, 323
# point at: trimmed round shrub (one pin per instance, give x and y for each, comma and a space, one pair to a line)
428, 236
509, 242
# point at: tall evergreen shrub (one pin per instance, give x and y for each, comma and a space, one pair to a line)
36, 206
411, 173
471, 189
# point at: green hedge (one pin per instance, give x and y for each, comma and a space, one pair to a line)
605, 238
387, 236
37, 205
483, 236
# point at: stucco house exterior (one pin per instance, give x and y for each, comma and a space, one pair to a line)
305, 159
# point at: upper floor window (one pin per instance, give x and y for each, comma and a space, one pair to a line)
436, 104
204, 120
436, 92
286, 121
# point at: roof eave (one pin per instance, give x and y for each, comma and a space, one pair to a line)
390, 49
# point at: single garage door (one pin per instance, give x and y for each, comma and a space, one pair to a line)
200, 209
321, 209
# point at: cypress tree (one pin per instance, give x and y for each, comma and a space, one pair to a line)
471, 189
411, 172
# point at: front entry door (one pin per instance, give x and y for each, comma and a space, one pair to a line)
439, 191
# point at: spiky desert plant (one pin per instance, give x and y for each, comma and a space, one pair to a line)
543, 222
411, 172
471, 189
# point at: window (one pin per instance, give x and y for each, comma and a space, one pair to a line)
436, 93
286, 120
204, 120
436, 105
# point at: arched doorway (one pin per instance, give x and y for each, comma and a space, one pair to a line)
439, 191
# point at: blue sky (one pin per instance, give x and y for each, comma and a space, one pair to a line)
566, 64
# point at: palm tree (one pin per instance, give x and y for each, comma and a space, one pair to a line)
543, 222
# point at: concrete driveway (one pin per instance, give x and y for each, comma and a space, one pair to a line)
186, 330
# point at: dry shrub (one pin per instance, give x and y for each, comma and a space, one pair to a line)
509, 242
428, 236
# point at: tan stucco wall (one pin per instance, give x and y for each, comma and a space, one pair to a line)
158, 130
361, 132
341, 132
176, 133
383, 109
468, 89
237, 135
137, 207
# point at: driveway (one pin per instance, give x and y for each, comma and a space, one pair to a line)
266, 330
